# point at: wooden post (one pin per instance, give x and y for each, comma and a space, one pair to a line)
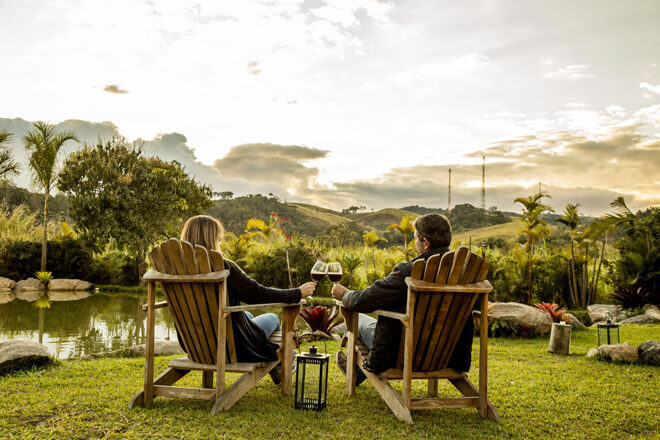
289, 315
433, 388
222, 342
408, 348
560, 338
483, 358
149, 349
351, 319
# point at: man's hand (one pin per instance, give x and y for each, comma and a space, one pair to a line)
338, 291
307, 289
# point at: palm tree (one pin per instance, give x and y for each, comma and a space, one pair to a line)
372, 239
620, 216
571, 218
8, 166
266, 231
350, 262
44, 142
535, 229
405, 227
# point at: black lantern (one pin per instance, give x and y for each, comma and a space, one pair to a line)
312, 379
607, 328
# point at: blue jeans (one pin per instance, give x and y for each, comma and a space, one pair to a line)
268, 322
366, 329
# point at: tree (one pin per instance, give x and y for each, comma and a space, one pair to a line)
372, 239
405, 227
118, 194
8, 166
268, 231
571, 219
534, 229
44, 142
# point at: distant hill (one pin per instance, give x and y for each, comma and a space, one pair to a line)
380, 220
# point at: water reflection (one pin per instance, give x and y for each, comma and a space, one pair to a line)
77, 323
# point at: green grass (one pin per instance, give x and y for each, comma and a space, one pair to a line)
537, 394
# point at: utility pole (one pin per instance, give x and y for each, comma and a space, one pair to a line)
540, 188
483, 185
449, 194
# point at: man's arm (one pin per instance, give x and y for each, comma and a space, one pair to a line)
388, 293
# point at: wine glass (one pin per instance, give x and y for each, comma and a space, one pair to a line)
335, 272
319, 270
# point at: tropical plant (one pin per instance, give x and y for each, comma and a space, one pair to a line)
372, 239
551, 309
8, 166
268, 231
350, 261
44, 277
236, 247
321, 321
622, 215
405, 227
43, 142
571, 219
633, 298
534, 229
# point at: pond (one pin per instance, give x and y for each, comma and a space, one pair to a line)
75, 324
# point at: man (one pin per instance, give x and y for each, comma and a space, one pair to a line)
382, 336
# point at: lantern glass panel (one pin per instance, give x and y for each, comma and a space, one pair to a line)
312, 381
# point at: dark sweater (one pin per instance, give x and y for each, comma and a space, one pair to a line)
390, 293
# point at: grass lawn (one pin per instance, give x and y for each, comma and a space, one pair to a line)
537, 394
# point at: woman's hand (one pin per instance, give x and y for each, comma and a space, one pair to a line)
307, 289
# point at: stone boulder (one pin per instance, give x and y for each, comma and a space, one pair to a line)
29, 285
62, 295
603, 312
572, 320
6, 284
161, 347
615, 353
652, 311
19, 354
520, 315
29, 295
66, 284
6, 297
639, 319
649, 352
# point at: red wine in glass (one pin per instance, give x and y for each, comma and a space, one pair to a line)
335, 272
319, 270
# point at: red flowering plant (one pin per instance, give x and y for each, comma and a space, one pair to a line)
551, 309
321, 321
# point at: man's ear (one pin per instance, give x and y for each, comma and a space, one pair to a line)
427, 244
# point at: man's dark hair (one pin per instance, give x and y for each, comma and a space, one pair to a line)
435, 228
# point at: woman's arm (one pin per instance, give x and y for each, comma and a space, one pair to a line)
247, 290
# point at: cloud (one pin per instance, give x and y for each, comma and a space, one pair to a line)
114, 88
570, 72
253, 68
272, 163
651, 88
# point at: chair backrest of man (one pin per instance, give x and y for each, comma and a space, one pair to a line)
193, 306
439, 317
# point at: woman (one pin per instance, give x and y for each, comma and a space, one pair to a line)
250, 333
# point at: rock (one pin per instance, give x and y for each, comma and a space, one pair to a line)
161, 347
6, 297
29, 296
615, 353
572, 320
520, 315
61, 295
639, 319
603, 312
66, 284
19, 354
29, 285
653, 311
339, 329
649, 352
6, 283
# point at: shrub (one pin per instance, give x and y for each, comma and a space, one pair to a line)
67, 258
633, 298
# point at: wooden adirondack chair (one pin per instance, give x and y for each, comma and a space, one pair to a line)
441, 295
194, 283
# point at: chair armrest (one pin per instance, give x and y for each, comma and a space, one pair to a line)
424, 286
395, 315
211, 277
247, 307
158, 305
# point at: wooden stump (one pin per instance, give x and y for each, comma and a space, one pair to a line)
560, 338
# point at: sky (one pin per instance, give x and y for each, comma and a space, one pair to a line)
359, 102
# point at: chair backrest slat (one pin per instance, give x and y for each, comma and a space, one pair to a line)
194, 306
439, 318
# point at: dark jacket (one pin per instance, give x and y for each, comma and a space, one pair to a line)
390, 293
250, 341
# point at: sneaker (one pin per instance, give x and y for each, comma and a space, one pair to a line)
340, 357
276, 373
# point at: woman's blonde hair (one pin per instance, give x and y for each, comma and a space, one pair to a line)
204, 231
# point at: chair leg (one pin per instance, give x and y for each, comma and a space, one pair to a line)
468, 389
433, 387
390, 396
240, 387
289, 315
207, 379
351, 319
167, 377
